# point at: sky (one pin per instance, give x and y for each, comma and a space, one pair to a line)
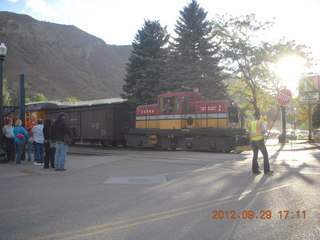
117, 21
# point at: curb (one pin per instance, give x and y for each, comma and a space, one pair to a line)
301, 149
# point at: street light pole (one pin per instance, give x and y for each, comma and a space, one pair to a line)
3, 52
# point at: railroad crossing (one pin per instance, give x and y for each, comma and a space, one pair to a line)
130, 194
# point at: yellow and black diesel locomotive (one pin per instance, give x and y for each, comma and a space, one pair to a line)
183, 121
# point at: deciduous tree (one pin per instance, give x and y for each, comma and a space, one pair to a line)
39, 97
6, 94
247, 58
316, 117
72, 99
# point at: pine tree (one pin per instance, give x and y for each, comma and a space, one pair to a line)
146, 64
195, 65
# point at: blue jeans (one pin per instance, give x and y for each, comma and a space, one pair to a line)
256, 146
19, 149
60, 155
39, 152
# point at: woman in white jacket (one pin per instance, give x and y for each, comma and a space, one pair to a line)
38, 139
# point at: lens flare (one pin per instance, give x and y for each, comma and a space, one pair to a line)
290, 69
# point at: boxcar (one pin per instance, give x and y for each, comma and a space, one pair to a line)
40, 109
105, 123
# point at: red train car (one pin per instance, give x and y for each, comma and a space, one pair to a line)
182, 121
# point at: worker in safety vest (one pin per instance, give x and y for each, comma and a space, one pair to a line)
257, 129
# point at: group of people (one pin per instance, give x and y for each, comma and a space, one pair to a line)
48, 141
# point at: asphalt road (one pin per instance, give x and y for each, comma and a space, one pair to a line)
130, 194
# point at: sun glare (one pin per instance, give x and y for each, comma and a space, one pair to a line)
289, 69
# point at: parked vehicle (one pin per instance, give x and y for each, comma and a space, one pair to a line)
291, 135
302, 134
273, 133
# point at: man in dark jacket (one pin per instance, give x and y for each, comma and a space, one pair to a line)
48, 146
59, 135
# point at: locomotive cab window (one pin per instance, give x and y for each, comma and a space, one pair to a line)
169, 104
185, 101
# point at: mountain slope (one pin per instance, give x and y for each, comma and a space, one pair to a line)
60, 60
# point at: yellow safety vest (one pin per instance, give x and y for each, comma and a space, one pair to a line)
255, 131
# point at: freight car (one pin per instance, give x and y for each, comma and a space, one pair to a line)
40, 109
182, 121
104, 121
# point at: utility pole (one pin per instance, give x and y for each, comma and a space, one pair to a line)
22, 100
3, 52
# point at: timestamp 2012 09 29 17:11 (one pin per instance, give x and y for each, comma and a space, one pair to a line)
262, 214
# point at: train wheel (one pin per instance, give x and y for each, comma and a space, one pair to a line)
114, 143
104, 143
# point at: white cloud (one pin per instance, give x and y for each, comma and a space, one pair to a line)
40, 6
117, 22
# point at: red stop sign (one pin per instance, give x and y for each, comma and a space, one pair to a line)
284, 97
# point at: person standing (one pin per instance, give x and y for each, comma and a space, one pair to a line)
20, 136
49, 150
59, 135
29, 125
9, 140
257, 129
38, 140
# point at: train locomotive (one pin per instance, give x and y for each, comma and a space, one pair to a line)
183, 121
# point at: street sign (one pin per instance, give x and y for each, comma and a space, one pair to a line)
309, 89
309, 98
284, 97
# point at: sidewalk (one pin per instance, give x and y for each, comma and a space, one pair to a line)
294, 146
301, 147
24, 169
74, 162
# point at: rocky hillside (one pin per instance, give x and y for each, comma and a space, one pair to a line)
60, 60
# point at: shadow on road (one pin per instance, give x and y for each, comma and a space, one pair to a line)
289, 169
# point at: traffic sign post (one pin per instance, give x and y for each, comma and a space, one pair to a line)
309, 91
283, 98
